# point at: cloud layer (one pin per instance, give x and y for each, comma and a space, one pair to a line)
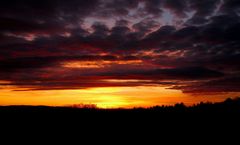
188, 45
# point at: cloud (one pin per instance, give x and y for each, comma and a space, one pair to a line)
145, 26
179, 7
98, 77
229, 84
230, 6
204, 7
50, 61
89, 42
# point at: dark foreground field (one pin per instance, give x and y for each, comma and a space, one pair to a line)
205, 119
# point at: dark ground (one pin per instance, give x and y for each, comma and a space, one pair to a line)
202, 121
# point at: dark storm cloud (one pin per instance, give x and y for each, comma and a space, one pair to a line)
45, 8
197, 21
190, 73
145, 26
38, 37
100, 30
15, 25
77, 79
204, 7
51, 61
229, 84
111, 8
231, 6
42, 16
179, 7
153, 7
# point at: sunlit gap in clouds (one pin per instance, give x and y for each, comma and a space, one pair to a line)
98, 64
105, 97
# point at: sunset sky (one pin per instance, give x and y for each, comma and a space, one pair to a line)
119, 53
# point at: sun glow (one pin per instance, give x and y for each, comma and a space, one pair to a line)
109, 97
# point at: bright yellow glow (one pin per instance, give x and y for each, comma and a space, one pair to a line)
85, 64
97, 64
115, 97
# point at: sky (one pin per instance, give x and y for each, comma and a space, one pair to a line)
119, 53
